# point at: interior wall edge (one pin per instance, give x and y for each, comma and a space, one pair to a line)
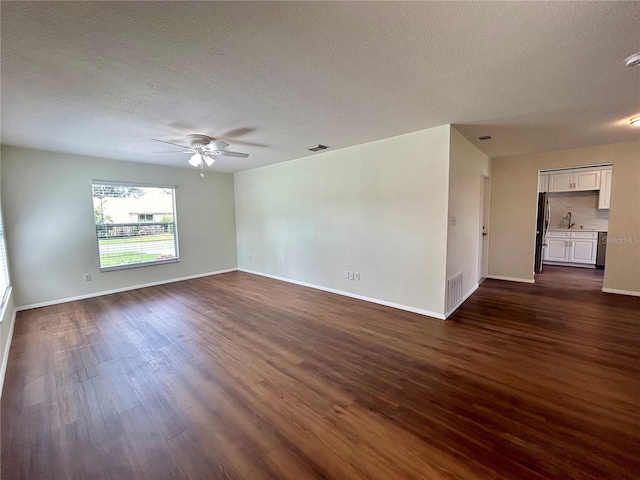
621, 292
512, 279
378, 301
118, 290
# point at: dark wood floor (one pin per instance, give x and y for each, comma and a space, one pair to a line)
239, 376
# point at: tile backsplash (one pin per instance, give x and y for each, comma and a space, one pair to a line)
584, 211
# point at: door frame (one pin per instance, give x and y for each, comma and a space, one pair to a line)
483, 231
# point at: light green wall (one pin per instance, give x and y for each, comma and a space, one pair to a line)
50, 230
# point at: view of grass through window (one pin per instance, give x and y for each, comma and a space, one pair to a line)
135, 225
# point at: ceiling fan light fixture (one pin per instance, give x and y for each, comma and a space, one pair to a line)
195, 160
203, 149
635, 121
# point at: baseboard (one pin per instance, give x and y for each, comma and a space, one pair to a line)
621, 292
571, 264
457, 305
7, 347
407, 308
512, 279
118, 290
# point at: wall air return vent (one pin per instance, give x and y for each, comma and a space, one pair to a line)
454, 292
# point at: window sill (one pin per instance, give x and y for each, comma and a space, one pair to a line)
141, 264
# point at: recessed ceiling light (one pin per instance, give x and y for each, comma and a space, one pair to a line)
317, 148
635, 121
484, 137
633, 60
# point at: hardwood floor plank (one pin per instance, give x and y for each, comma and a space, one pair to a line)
260, 379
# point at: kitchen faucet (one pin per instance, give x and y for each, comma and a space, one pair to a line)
568, 219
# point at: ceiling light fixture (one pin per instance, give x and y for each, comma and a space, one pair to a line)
635, 121
633, 60
195, 160
204, 149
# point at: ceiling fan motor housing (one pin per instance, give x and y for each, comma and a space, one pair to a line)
199, 140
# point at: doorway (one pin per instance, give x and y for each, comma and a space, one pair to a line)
572, 222
483, 247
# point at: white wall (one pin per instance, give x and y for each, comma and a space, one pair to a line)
47, 203
377, 208
466, 168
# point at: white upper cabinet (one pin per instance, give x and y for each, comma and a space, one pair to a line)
574, 180
560, 182
586, 180
604, 199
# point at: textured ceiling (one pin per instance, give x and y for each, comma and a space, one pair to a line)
102, 78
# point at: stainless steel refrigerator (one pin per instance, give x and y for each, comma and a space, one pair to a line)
542, 224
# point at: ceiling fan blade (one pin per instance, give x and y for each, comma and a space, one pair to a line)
226, 153
209, 160
170, 143
217, 145
176, 151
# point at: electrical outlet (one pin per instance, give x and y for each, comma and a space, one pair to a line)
249, 257
87, 277
350, 275
453, 221
357, 276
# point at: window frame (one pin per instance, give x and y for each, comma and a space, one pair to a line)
6, 276
164, 261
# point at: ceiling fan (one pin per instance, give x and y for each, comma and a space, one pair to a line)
203, 149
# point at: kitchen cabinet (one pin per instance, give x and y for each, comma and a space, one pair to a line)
574, 181
560, 182
589, 180
543, 183
583, 247
604, 198
571, 247
557, 249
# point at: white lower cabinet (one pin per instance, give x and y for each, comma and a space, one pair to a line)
571, 247
557, 250
583, 251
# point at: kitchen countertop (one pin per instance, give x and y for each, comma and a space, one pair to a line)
574, 230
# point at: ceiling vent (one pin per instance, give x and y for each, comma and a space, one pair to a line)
317, 148
484, 137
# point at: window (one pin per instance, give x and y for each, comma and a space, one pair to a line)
4, 267
135, 224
